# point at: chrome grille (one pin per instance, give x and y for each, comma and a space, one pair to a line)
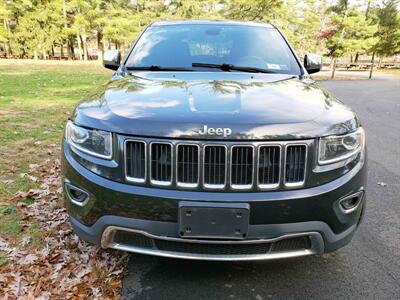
222, 167
187, 164
161, 163
242, 166
295, 164
135, 157
269, 161
214, 166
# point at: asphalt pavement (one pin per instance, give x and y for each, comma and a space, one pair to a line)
368, 268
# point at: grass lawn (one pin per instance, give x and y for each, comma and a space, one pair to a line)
36, 98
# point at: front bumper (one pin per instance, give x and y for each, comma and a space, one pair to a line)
151, 214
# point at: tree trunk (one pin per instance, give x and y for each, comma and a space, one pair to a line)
356, 59
69, 54
380, 62
44, 54
334, 68
7, 49
85, 48
72, 50
100, 45
78, 40
35, 56
368, 8
52, 52
7, 43
372, 65
61, 51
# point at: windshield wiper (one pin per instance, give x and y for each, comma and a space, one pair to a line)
230, 67
157, 68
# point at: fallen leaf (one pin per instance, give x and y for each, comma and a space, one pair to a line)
65, 267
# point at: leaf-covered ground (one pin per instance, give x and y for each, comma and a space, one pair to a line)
40, 257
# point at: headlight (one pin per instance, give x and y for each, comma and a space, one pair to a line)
340, 147
91, 141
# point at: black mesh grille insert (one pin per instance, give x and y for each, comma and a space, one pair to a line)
292, 244
133, 239
242, 165
268, 165
217, 249
295, 163
214, 165
188, 164
135, 160
161, 162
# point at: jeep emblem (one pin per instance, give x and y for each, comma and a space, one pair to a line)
215, 131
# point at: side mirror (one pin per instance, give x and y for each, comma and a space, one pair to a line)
313, 63
112, 59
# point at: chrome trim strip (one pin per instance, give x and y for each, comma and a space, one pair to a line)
159, 182
315, 238
81, 204
215, 186
359, 194
134, 179
242, 186
300, 183
185, 184
269, 186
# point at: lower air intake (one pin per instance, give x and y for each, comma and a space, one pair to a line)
138, 240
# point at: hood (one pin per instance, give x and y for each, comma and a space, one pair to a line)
215, 105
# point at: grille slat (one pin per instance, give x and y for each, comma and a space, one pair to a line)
161, 163
188, 165
268, 166
135, 161
295, 164
214, 166
166, 163
242, 166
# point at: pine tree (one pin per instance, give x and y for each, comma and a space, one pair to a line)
388, 33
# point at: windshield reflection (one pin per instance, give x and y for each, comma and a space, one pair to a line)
243, 46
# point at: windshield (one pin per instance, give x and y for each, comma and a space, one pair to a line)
181, 46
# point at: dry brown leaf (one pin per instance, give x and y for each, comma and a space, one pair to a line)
64, 267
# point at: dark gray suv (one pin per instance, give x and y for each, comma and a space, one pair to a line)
212, 142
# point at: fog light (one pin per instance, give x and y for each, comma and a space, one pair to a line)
351, 203
76, 195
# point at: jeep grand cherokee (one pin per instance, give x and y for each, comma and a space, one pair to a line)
212, 142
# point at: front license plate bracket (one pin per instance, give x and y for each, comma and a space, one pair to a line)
213, 220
